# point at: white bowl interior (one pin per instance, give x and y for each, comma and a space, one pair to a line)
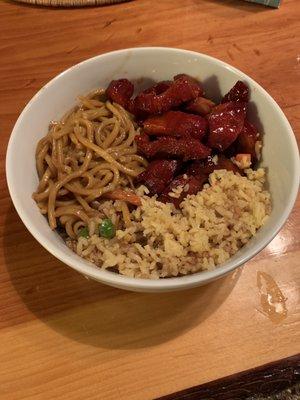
280, 153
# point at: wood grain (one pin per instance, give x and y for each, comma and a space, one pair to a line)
63, 337
71, 3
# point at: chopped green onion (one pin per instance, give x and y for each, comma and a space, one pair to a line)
84, 232
107, 229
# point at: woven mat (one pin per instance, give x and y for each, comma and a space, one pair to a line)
71, 3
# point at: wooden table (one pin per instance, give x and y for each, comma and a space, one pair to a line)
64, 337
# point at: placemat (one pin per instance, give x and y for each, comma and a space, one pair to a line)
71, 3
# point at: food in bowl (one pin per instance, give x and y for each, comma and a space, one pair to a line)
156, 185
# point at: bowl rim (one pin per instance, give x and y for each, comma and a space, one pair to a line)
174, 283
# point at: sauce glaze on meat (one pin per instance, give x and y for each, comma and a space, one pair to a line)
186, 136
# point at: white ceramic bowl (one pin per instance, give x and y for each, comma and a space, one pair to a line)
280, 152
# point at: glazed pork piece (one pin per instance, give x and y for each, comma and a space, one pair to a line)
226, 122
239, 92
158, 175
187, 184
153, 91
169, 147
176, 124
120, 91
180, 91
248, 141
200, 106
158, 88
209, 165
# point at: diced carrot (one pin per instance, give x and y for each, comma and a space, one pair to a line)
128, 196
243, 160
